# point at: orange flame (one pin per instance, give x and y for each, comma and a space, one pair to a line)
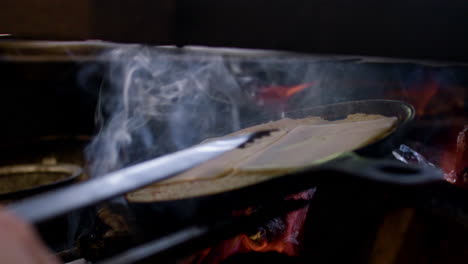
419, 95
278, 93
286, 243
429, 100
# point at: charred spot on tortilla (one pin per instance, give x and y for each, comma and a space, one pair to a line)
296, 144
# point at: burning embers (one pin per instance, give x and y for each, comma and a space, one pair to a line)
420, 95
441, 124
281, 235
431, 97
456, 161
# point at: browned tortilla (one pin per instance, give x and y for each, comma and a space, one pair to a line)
297, 144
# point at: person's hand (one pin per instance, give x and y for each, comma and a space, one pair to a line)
20, 244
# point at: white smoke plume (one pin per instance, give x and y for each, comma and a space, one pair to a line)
154, 102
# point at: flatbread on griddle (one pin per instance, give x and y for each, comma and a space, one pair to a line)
298, 143
225, 163
304, 144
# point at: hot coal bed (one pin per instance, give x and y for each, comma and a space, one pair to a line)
133, 103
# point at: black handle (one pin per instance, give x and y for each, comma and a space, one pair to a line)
384, 170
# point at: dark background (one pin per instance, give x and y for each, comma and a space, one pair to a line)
417, 28
430, 29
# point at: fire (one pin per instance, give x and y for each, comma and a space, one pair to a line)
277, 93
455, 161
433, 101
419, 95
282, 235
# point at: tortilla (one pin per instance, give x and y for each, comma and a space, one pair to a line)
298, 143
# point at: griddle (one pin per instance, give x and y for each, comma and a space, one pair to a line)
364, 164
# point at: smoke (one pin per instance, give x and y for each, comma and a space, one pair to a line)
154, 101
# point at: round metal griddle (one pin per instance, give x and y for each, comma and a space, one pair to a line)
178, 213
28, 179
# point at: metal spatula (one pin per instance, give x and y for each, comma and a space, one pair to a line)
55, 203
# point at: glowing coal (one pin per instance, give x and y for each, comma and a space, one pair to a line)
282, 235
455, 162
